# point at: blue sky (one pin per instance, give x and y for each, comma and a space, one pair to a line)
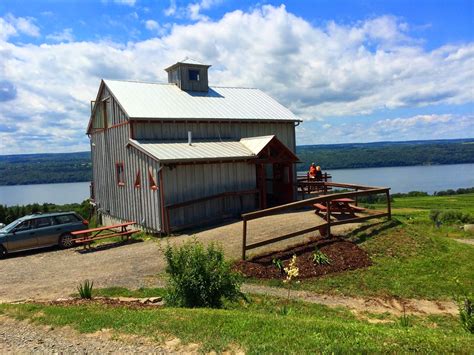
354, 71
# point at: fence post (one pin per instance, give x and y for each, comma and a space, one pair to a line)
389, 206
357, 198
328, 218
244, 239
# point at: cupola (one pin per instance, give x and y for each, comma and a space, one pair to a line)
189, 75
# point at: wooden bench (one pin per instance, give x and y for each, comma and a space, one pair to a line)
87, 236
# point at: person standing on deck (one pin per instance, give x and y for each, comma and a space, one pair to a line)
319, 174
312, 171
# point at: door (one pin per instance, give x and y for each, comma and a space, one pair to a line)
22, 237
46, 232
282, 183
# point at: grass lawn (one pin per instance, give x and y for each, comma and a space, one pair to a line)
259, 326
411, 258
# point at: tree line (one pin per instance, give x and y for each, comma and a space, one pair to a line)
371, 155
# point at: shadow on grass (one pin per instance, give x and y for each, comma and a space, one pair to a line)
367, 231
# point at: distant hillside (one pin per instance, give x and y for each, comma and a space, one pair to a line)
382, 154
45, 168
76, 167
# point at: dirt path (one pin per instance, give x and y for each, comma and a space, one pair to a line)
465, 241
372, 305
50, 274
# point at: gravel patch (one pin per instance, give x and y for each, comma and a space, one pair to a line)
20, 337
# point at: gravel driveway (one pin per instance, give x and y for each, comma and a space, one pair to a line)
49, 274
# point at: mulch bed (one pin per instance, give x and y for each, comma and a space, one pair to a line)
343, 256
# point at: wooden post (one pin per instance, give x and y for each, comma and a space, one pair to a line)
357, 198
389, 206
328, 218
244, 239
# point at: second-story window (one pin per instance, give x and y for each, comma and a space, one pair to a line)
120, 174
194, 74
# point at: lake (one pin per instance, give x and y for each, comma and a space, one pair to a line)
400, 179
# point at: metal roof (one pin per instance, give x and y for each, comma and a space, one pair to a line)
188, 60
256, 144
167, 101
181, 151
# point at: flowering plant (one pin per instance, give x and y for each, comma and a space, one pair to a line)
291, 270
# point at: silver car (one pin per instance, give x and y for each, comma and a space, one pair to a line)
40, 230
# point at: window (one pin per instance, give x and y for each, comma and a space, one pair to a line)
23, 226
194, 74
152, 180
138, 180
67, 218
120, 174
43, 222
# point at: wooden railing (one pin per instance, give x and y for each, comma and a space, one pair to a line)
360, 190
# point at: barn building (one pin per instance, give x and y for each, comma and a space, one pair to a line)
179, 154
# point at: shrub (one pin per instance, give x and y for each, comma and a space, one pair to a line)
452, 217
85, 289
200, 277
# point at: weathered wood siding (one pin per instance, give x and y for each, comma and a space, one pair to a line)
189, 182
162, 130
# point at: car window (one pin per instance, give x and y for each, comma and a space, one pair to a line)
23, 226
43, 222
66, 218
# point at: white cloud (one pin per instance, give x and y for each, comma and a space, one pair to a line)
63, 36
319, 72
13, 26
125, 2
192, 11
171, 9
419, 127
152, 25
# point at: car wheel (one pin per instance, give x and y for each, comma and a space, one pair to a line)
3, 252
66, 241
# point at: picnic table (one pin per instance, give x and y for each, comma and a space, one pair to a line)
87, 236
339, 205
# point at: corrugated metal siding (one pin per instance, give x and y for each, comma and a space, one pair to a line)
167, 101
163, 130
189, 182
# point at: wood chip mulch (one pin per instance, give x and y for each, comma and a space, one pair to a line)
343, 256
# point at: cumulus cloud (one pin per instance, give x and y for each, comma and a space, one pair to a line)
192, 11
317, 71
13, 26
63, 36
418, 127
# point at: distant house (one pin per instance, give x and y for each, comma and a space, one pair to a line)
180, 154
